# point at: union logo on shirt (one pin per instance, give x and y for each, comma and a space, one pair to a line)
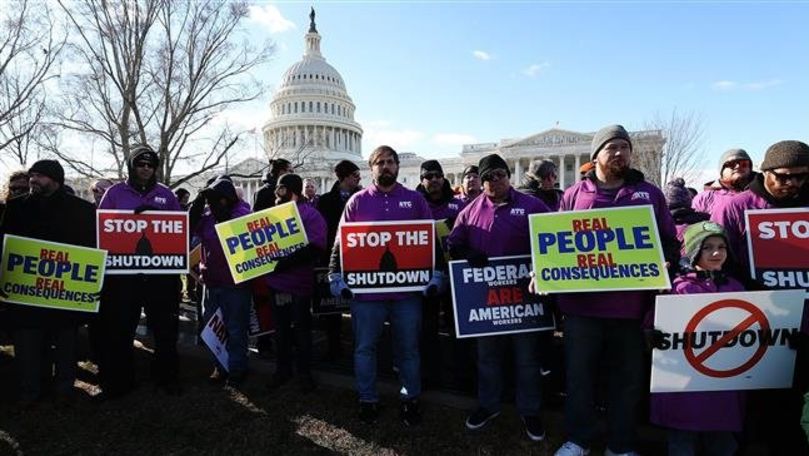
160, 200
641, 195
518, 211
406, 204
452, 206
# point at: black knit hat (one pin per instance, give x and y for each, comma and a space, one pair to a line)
471, 169
786, 154
143, 154
344, 169
431, 166
606, 135
492, 162
50, 168
541, 168
222, 188
677, 195
292, 182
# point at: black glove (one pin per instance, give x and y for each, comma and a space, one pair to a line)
144, 207
798, 340
654, 338
477, 259
347, 294
450, 222
303, 255
431, 291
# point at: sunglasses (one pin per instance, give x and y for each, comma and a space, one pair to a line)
494, 175
734, 163
783, 178
145, 165
432, 175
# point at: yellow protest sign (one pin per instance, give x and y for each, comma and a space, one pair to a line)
442, 231
254, 242
50, 274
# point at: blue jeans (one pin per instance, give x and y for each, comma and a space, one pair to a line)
618, 343
235, 305
368, 320
491, 353
716, 443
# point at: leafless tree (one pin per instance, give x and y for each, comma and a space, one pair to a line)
684, 152
157, 72
30, 45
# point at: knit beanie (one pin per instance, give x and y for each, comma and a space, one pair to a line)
677, 195
292, 182
733, 154
490, 163
786, 154
471, 169
50, 168
541, 168
344, 169
695, 234
431, 166
143, 153
607, 134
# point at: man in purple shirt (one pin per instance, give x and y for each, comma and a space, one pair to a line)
220, 290
124, 296
471, 184
493, 225
735, 173
383, 200
291, 286
606, 327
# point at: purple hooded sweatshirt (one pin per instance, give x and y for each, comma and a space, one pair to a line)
713, 195
585, 194
124, 196
214, 267
497, 230
372, 205
700, 411
299, 280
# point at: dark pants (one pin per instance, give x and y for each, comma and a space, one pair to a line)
430, 343
618, 343
492, 352
122, 300
32, 354
293, 323
332, 324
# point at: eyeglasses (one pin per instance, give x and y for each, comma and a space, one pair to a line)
783, 178
145, 165
734, 163
432, 175
494, 175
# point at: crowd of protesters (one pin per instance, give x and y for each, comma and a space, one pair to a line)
607, 336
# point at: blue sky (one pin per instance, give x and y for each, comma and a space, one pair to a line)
428, 77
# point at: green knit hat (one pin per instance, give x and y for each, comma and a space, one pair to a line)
697, 233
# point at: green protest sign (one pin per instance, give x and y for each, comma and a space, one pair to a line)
50, 274
597, 250
254, 242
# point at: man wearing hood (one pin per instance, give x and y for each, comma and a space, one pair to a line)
124, 296
50, 214
265, 196
540, 182
678, 199
735, 173
220, 290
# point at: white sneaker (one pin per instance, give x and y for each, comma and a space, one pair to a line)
609, 452
571, 449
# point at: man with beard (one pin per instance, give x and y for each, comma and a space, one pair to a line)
331, 206
540, 182
605, 327
471, 184
783, 183
735, 172
385, 199
124, 296
291, 289
50, 214
220, 290
494, 225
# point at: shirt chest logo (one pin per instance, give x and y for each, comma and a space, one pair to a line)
641, 195
159, 200
518, 211
453, 206
406, 204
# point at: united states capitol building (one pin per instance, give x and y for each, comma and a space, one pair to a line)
312, 125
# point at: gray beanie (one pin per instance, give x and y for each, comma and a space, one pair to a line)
677, 195
541, 168
786, 154
733, 154
607, 134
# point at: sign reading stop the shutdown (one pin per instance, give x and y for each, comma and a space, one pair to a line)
726, 341
778, 242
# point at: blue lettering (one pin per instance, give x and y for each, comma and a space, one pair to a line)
546, 240
14, 260
565, 243
642, 237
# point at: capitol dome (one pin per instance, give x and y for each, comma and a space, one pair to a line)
312, 116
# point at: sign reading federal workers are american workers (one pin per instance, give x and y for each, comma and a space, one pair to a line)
387, 256
254, 242
494, 300
153, 242
51, 274
597, 250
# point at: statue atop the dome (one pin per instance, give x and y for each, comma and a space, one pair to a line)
312, 27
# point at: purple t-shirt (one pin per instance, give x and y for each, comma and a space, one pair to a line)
299, 280
213, 265
449, 209
123, 196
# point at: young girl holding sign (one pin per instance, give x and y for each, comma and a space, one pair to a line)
708, 418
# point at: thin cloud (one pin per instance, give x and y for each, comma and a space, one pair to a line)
536, 69
453, 139
269, 16
399, 139
729, 86
482, 55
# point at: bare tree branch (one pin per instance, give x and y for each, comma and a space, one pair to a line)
684, 152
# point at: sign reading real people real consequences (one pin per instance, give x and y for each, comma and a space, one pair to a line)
255, 242
389, 256
597, 250
778, 242
50, 274
153, 242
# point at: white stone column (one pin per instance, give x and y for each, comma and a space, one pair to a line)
576, 166
517, 172
562, 171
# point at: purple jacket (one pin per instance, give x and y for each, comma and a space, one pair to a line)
214, 266
123, 196
445, 210
730, 214
496, 230
711, 197
585, 194
299, 280
370, 205
700, 411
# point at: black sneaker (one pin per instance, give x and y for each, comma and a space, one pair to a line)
480, 418
534, 428
236, 380
369, 412
277, 381
409, 412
